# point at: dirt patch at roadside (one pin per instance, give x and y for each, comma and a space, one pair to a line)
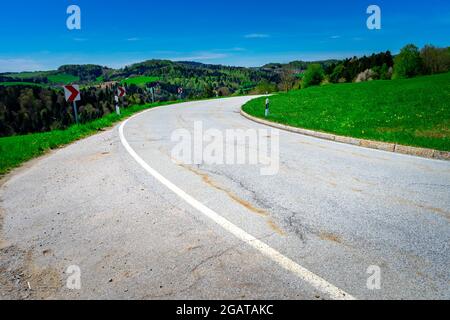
20, 278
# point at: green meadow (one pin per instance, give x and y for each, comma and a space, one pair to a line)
62, 78
140, 81
414, 112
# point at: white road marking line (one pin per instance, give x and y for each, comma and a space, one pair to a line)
288, 264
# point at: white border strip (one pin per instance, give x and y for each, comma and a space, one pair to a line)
304, 274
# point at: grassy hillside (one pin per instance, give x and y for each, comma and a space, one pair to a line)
140, 80
63, 78
412, 112
53, 79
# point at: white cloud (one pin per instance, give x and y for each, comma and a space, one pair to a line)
256, 36
19, 65
232, 49
238, 49
133, 39
335, 37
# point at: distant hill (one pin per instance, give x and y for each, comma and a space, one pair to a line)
194, 77
66, 74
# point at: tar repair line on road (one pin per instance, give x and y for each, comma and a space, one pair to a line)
312, 279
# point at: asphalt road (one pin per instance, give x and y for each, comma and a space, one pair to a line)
140, 226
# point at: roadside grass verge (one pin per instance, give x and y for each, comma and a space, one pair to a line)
16, 150
413, 112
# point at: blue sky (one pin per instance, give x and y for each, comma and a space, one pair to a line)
246, 33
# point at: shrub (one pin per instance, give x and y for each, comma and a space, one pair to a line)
367, 75
265, 86
313, 75
408, 63
337, 73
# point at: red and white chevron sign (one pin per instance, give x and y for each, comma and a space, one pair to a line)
121, 92
72, 93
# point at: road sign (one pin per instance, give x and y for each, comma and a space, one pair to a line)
72, 93
116, 98
121, 92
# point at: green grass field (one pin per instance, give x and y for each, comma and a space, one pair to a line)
15, 150
54, 79
139, 81
414, 112
62, 78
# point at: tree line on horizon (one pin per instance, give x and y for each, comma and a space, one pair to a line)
410, 62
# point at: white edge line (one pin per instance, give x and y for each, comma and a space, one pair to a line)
314, 280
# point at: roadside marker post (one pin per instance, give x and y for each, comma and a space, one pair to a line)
152, 92
267, 107
116, 99
75, 111
121, 92
180, 93
72, 94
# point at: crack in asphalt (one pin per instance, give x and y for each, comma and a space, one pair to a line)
299, 229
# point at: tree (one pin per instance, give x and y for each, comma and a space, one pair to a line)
385, 72
223, 92
208, 91
435, 60
408, 63
287, 79
265, 86
337, 73
313, 75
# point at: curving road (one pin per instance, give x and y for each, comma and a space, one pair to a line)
140, 226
